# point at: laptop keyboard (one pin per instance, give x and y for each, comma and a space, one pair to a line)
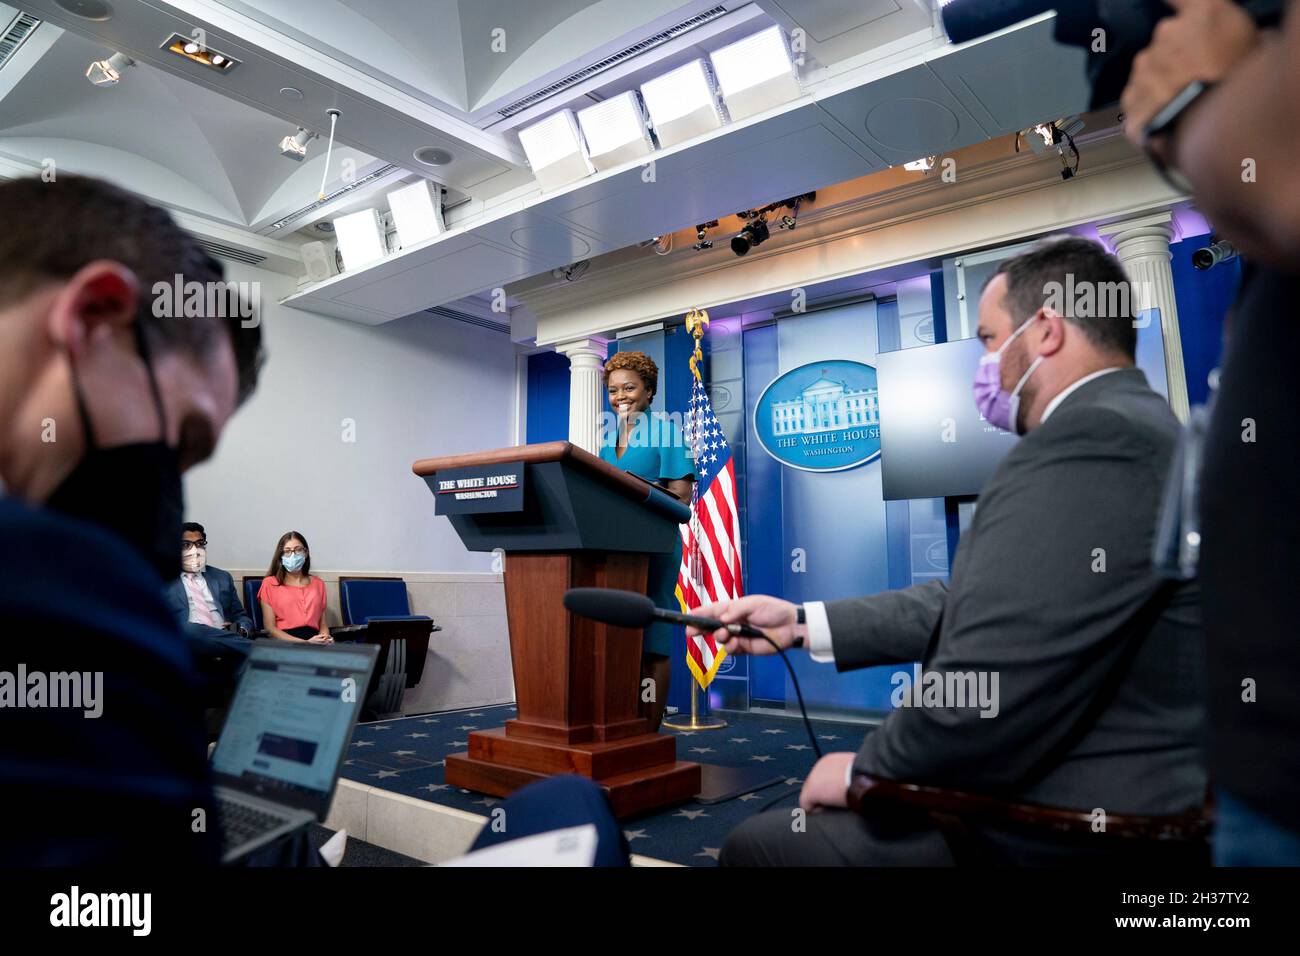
241, 823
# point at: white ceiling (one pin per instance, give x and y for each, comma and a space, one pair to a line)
881, 87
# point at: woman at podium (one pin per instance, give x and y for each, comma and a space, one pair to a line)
652, 447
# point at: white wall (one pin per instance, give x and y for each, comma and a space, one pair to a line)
415, 388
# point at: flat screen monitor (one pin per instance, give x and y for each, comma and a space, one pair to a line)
933, 441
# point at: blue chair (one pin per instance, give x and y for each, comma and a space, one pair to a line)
381, 605
254, 608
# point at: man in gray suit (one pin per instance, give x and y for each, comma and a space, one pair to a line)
1082, 667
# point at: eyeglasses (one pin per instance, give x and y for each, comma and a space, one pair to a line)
291, 551
188, 546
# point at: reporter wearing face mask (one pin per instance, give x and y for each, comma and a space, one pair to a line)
203, 598
293, 602
90, 520
1093, 663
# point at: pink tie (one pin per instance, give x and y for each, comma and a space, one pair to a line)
198, 603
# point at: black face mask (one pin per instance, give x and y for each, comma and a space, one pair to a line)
132, 490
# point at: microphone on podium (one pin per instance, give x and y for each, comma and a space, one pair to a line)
630, 609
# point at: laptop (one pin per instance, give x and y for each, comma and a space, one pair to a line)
278, 758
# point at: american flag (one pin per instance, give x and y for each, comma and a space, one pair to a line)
710, 569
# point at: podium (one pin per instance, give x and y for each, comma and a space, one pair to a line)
564, 518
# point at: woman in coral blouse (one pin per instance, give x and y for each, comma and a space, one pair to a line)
293, 602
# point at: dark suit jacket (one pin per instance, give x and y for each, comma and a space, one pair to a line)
224, 592
1100, 672
122, 786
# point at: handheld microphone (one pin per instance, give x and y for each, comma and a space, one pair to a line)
630, 609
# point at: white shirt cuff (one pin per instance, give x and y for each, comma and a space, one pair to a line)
848, 776
819, 633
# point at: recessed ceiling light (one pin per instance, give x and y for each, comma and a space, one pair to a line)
324, 226
433, 156
187, 49
292, 92
87, 9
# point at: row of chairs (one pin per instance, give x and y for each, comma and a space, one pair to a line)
374, 611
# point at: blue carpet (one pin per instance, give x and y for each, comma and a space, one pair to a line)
406, 756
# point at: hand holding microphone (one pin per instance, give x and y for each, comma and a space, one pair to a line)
775, 617
737, 624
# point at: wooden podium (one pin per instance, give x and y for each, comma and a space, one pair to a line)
565, 519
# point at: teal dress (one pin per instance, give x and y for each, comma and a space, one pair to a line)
657, 453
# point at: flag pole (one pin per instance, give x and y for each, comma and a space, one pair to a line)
696, 322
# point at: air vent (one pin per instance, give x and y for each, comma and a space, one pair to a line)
446, 313
649, 43
22, 27
233, 253
330, 197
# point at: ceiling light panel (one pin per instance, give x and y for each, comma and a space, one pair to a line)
555, 151
416, 213
756, 73
683, 103
361, 238
187, 48
615, 131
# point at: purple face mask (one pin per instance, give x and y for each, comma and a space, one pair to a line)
998, 406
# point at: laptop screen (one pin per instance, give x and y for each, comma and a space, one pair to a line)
291, 720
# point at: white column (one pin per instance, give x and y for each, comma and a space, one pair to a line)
586, 392
1142, 245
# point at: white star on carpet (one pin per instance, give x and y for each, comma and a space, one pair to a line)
488, 801
761, 759
751, 796
740, 740
383, 774
363, 743
460, 743
710, 851
468, 727
797, 747
435, 787
403, 753
791, 781
701, 750
631, 835
774, 731
828, 736
690, 814
417, 734
428, 720
380, 727
477, 714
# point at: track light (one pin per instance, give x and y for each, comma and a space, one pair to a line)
1219, 250
702, 241
295, 147
108, 72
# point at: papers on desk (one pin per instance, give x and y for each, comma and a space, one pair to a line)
575, 846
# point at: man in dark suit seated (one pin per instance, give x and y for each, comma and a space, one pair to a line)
1090, 663
203, 598
105, 403
205, 604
